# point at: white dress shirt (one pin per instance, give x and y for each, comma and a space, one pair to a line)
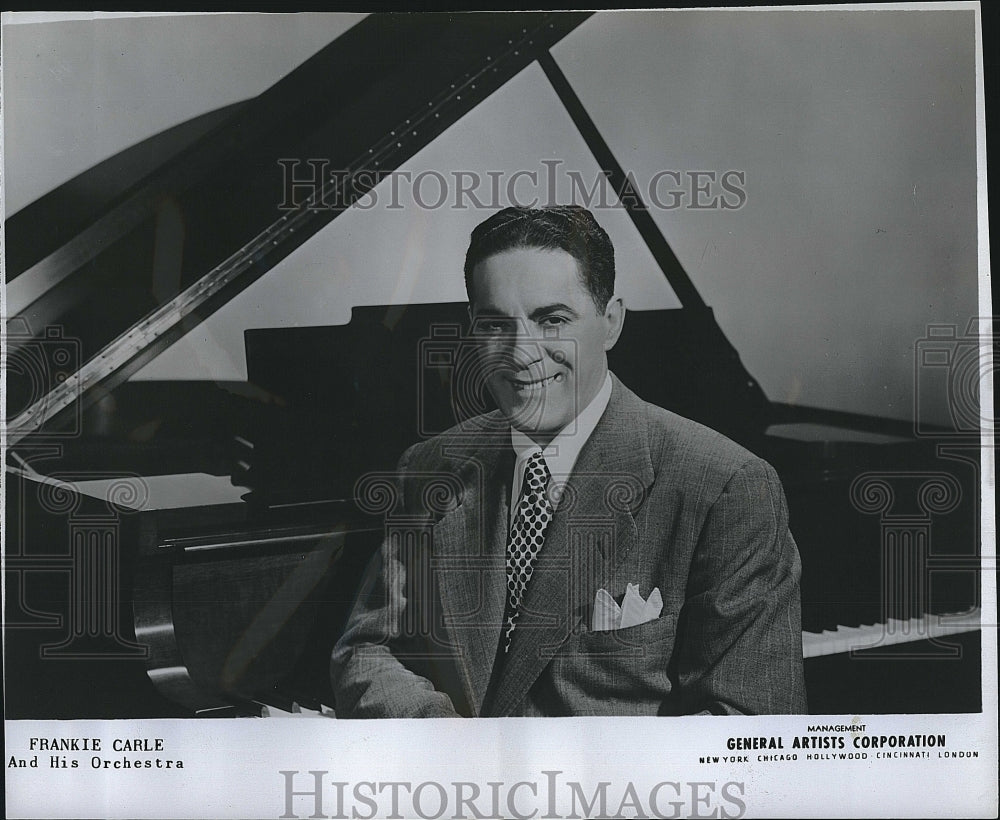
561, 453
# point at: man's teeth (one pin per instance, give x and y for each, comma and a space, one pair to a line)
523, 385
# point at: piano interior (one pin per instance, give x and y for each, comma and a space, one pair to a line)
182, 547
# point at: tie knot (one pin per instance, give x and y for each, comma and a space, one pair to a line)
536, 473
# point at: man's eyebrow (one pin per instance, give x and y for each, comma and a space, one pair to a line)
555, 307
537, 313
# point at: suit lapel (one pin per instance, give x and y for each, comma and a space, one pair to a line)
592, 530
469, 545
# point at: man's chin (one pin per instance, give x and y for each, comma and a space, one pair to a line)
534, 423
533, 415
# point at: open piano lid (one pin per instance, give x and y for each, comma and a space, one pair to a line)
100, 307
357, 102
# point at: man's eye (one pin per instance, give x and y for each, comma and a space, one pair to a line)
492, 326
553, 321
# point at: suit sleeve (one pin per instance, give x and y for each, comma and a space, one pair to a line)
369, 676
742, 647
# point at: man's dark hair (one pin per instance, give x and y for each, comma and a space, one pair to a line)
569, 228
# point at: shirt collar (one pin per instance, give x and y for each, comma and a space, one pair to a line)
561, 453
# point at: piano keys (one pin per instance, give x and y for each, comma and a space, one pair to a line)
869, 638
890, 674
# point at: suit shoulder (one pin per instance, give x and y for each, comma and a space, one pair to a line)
688, 447
458, 443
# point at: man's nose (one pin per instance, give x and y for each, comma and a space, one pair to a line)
525, 347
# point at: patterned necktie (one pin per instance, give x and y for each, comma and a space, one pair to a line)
534, 511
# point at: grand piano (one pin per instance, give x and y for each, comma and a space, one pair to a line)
226, 598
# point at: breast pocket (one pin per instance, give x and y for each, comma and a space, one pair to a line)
627, 667
654, 638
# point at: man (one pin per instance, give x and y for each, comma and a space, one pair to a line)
529, 550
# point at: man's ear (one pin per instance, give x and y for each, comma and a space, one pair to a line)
614, 317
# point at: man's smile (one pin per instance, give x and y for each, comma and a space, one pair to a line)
530, 384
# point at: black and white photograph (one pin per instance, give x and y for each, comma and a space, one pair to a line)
621, 381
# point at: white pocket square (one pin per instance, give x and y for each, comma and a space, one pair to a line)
632, 612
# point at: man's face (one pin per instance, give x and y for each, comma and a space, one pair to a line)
543, 341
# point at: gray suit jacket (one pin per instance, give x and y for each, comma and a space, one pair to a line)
654, 500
